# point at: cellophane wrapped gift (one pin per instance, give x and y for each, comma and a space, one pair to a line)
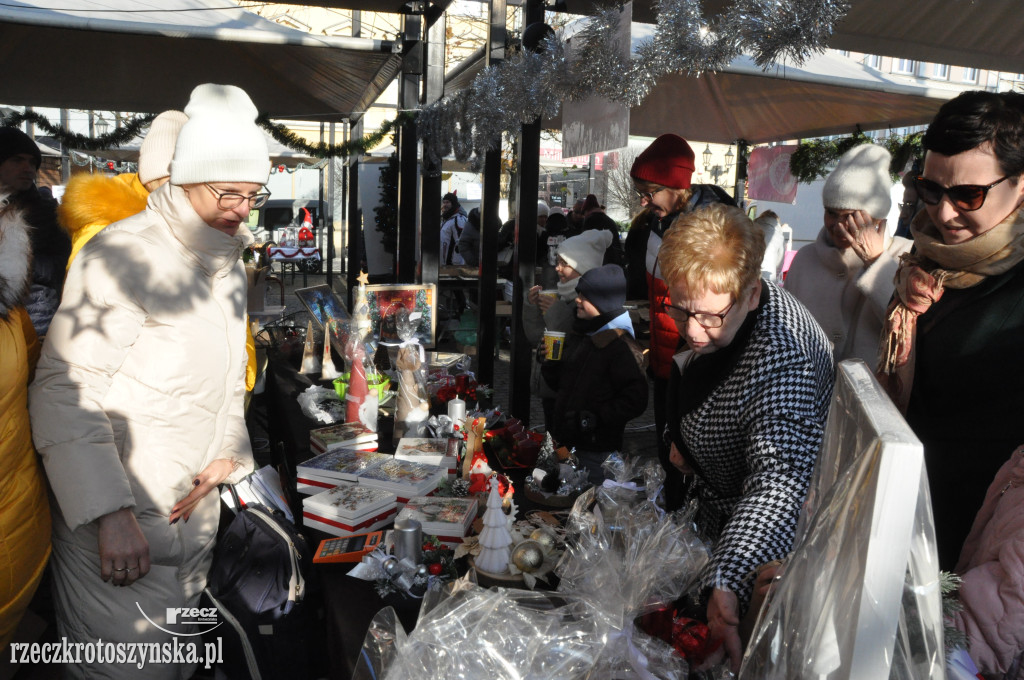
585, 630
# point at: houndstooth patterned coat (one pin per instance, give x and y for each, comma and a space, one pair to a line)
754, 438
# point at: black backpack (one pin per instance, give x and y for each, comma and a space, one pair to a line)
258, 584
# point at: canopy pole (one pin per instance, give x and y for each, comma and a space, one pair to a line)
490, 222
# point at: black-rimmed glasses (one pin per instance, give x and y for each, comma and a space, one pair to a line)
228, 200
966, 197
649, 195
705, 319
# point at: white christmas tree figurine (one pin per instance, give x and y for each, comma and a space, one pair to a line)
495, 538
361, 307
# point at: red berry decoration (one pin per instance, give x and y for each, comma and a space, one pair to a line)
435, 569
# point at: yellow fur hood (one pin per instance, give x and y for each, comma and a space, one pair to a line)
91, 202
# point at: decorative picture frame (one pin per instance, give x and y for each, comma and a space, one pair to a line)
323, 304
385, 300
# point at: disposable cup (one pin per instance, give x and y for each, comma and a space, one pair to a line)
554, 341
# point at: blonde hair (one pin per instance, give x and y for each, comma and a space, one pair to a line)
714, 249
682, 195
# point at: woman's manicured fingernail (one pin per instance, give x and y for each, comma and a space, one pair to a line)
175, 520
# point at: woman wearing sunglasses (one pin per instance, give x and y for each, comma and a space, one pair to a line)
747, 403
953, 349
137, 404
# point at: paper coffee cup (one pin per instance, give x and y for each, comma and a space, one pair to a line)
553, 343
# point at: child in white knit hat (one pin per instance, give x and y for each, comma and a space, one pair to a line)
845, 278
555, 310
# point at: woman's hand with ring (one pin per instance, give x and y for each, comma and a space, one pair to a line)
121, 543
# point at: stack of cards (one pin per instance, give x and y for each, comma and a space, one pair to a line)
403, 478
342, 436
329, 469
447, 518
349, 509
442, 452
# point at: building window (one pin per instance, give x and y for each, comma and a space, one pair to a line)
970, 75
872, 60
905, 66
940, 71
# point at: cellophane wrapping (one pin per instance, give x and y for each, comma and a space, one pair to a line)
859, 596
610, 574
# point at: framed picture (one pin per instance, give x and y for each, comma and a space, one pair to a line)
323, 304
385, 301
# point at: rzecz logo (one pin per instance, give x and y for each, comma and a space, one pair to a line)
204, 617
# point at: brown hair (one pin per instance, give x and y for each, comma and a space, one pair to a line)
714, 249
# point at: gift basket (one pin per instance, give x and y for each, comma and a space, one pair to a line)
611, 574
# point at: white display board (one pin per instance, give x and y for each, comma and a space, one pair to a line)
859, 596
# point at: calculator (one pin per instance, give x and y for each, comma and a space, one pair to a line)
347, 549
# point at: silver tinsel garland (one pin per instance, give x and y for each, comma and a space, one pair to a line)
530, 85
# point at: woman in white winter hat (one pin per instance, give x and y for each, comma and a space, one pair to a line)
845, 278
137, 404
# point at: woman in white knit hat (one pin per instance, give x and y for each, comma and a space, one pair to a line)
845, 278
576, 256
137, 405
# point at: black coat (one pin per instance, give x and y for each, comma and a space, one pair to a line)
967, 398
601, 386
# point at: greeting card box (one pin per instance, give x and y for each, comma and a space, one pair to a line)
431, 451
338, 527
446, 518
342, 436
406, 479
341, 465
349, 501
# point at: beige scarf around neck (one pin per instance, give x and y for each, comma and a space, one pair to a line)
921, 279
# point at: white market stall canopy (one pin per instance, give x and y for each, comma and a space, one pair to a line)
147, 55
958, 32
829, 94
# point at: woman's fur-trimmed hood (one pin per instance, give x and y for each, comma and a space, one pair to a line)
98, 199
15, 257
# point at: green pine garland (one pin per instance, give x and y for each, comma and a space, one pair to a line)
815, 158
130, 129
323, 150
72, 140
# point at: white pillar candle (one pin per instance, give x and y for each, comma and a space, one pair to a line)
457, 411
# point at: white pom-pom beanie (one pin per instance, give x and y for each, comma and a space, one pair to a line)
157, 148
860, 182
221, 141
585, 251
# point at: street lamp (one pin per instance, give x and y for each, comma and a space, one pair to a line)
707, 157
728, 159
102, 126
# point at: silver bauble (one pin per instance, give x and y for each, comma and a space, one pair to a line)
422, 571
390, 566
528, 556
545, 537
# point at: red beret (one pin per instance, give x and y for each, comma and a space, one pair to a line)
668, 161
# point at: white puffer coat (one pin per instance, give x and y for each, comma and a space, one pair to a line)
140, 386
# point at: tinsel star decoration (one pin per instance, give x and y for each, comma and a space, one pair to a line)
530, 85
